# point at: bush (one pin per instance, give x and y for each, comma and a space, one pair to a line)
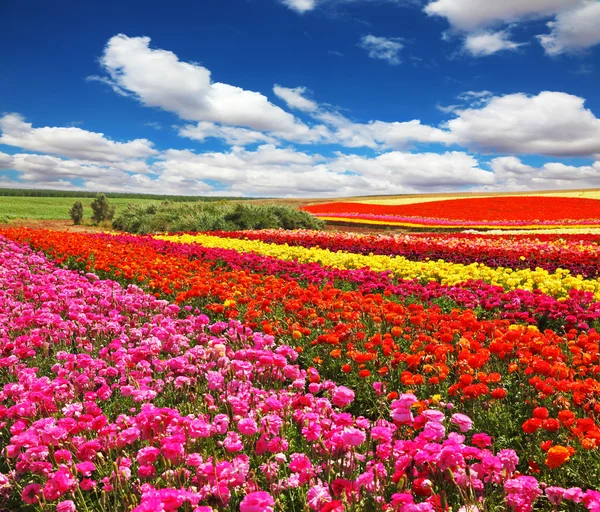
102, 209
217, 216
76, 212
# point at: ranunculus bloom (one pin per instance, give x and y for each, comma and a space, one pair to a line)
557, 456
342, 396
463, 422
353, 436
259, 501
66, 506
247, 426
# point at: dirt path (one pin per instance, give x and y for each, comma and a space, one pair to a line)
56, 225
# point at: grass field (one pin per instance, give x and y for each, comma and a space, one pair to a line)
53, 208
57, 208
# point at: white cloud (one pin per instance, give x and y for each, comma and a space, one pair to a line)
382, 48
273, 171
551, 123
44, 170
482, 44
71, 142
6, 161
476, 98
574, 26
471, 15
573, 30
159, 79
294, 98
418, 171
300, 6
512, 174
230, 134
338, 129
266, 171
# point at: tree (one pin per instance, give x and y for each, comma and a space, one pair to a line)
102, 209
76, 212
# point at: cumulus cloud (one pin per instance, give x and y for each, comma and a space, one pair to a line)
159, 79
551, 123
6, 161
382, 48
482, 44
471, 15
574, 24
230, 134
265, 171
335, 128
294, 98
418, 171
45, 170
573, 30
276, 171
512, 174
71, 142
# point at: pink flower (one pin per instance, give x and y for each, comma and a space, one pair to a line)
66, 506
463, 422
300, 463
481, 440
31, 493
247, 426
259, 501
381, 434
86, 468
353, 436
433, 415
317, 496
342, 396
147, 455
233, 442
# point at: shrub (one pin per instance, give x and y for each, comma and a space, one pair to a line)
102, 210
76, 212
216, 216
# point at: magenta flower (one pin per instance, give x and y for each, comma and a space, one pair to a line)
259, 501
342, 396
247, 426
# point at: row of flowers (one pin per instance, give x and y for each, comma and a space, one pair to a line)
500, 373
444, 224
111, 399
555, 284
506, 212
173, 266
579, 255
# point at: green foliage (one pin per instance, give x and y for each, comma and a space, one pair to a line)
221, 216
102, 209
76, 212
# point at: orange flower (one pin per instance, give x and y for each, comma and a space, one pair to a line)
557, 456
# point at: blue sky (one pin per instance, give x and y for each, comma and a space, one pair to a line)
300, 97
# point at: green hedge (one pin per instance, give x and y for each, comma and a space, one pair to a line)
178, 217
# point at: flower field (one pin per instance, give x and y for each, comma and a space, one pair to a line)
516, 212
274, 371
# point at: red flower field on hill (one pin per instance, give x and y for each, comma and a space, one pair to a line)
498, 211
